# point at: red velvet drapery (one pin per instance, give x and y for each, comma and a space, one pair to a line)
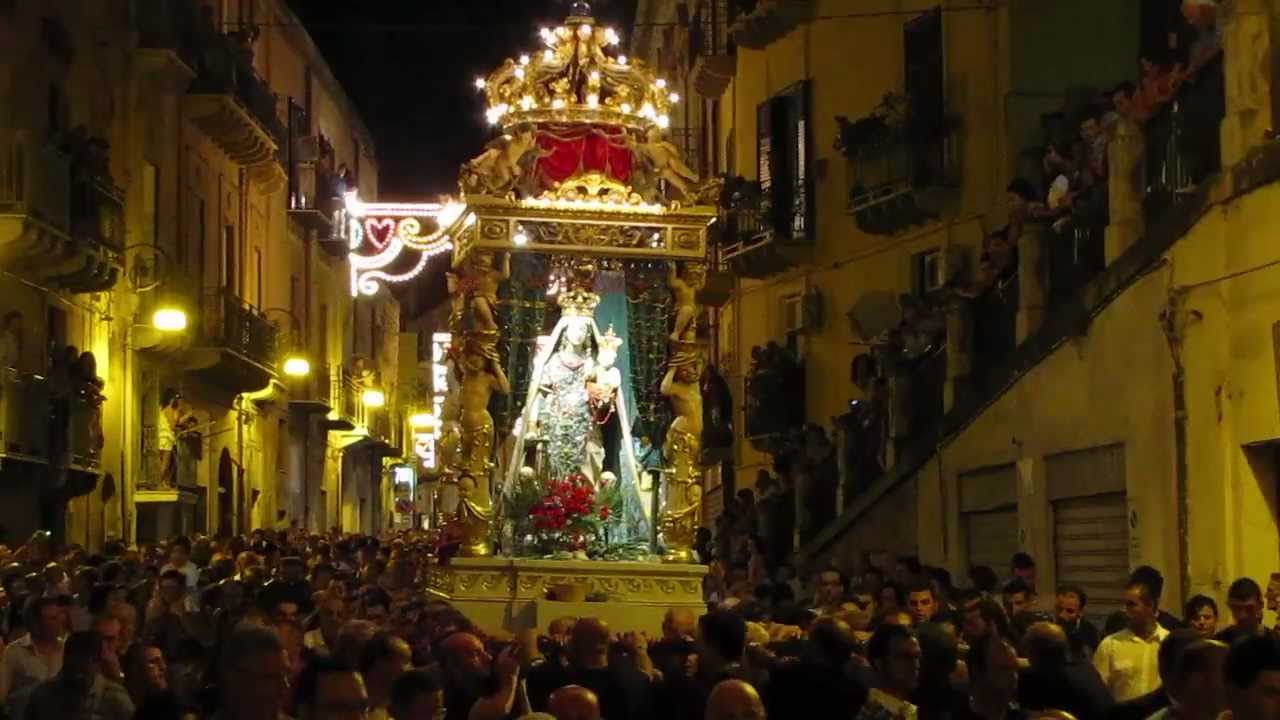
574, 149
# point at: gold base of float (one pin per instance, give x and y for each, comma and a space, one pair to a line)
505, 594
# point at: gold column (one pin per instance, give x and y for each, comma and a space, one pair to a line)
475, 335
682, 511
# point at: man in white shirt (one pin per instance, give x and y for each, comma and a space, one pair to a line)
180, 560
1127, 660
35, 657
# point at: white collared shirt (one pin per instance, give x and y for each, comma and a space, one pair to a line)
1128, 664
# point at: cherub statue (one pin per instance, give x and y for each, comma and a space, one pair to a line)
682, 388
501, 165
684, 290
482, 376
667, 163
480, 288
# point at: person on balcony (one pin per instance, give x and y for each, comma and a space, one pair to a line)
11, 339
175, 423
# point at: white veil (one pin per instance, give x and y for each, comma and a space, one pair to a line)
636, 514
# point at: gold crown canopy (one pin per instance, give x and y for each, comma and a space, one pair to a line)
573, 79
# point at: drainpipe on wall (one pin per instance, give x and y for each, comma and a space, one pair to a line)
1173, 321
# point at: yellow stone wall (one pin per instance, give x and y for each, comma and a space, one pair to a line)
107, 91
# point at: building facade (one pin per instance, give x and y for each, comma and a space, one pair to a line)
171, 169
989, 367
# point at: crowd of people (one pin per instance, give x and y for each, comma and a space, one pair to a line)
296, 624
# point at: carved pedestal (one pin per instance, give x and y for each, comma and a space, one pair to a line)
511, 594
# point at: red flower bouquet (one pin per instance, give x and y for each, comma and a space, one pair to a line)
568, 515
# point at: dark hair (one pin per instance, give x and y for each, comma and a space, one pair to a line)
309, 680
882, 640
36, 605
1149, 577
175, 575
375, 596
912, 564
1022, 561
83, 643
1198, 603
1073, 589
168, 395
977, 660
833, 640
921, 586
938, 648
1015, 586
942, 577
1023, 188
181, 541
725, 632
1244, 590
1171, 648
1251, 657
411, 685
993, 615
247, 640
380, 647
984, 578
899, 592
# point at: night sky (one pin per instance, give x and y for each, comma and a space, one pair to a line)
410, 65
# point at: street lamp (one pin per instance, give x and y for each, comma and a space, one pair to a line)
296, 364
169, 319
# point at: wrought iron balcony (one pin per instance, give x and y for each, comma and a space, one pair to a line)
1183, 142
237, 345
348, 401
313, 393
61, 218
164, 48
84, 439
767, 21
752, 247
312, 187
24, 414
234, 107
35, 185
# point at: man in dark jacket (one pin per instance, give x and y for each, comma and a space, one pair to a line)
1058, 679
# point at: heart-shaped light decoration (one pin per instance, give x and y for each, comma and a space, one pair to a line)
379, 232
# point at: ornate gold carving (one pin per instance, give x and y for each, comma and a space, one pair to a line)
591, 236
687, 239
495, 230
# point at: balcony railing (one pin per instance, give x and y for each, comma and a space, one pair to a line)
348, 396
232, 324
1183, 141
35, 179
166, 25
97, 210
224, 67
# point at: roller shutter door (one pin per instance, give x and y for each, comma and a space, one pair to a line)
1090, 525
989, 516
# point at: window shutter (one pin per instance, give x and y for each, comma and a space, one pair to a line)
764, 155
800, 225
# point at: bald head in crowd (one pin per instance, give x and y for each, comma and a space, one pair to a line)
574, 702
679, 623
589, 644
734, 700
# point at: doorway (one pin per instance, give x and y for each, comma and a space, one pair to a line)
226, 508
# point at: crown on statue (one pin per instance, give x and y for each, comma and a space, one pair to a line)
610, 340
577, 302
573, 79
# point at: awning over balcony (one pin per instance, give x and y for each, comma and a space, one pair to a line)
771, 20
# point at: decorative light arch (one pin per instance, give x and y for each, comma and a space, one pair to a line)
379, 234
